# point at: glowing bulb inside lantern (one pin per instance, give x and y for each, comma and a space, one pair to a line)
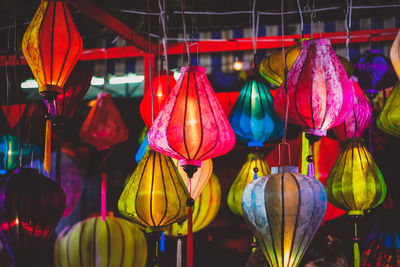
9, 152
159, 94
237, 65
16, 221
192, 122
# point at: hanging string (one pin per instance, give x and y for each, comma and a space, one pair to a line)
301, 19
285, 71
356, 239
190, 228
163, 9
184, 30
254, 31
150, 66
347, 23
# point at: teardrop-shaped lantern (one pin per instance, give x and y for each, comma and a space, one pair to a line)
199, 179
96, 242
284, 211
319, 91
151, 105
155, 195
255, 166
358, 119
192, 126
205, 209
253, 117
104, 125
30, 208
389, 118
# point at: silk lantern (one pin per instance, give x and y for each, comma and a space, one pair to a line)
255, 166
205, 209
284, 211
152, 104
358, 119
199, 179
253, 117
30, 208
389, 118
155, 195
319, 91
355, 184
96, 242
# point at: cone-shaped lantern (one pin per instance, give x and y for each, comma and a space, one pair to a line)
205, 209
389, 118
255, 166
94, 242
151, 105
320, 93
30, 208
155, 195
358, 119
104, 125
253, 117
284, 211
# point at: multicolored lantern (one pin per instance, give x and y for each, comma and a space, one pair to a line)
319, 91
152, 104
253, 117
30, 208
96, 242
389, 118
284, 211
255, 166
155, 195
358, 119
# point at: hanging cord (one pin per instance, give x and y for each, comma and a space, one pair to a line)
184, 30
347, 23
190, 203
285, 71
255, 169
254, 31
163, 9
150, 66
179, 247
105, 69
301, 19
356, 240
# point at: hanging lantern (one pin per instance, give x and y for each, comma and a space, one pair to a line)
104, 125
395, 55
30, 208
253, 117
199, 179
155, 195
284, 211
389, 118
13, 114
205, 209
319, 91
255, 166
96, 242
192, 126
142, 149
151, 105
358, 119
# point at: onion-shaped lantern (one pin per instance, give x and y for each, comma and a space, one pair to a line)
96, 242
255, 166
30, 208
319, 91
284, 211
253, 117
155, 195
152, 104
205, 209
389, 118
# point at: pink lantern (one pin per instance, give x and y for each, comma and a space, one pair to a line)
358, 119
319, 91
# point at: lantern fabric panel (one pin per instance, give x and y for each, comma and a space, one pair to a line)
389, 118
155, 195
253, 117
94, 242
355, 183
320, 94
284, 211
192, 125
245, 176
52, 45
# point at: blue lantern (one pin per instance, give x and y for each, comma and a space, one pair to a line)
142, 149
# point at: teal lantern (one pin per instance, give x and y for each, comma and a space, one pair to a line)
253, 117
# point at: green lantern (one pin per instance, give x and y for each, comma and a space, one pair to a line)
389, 119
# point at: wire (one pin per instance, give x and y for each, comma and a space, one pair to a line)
254, 30
347, 23
164, 40
301, 19
184, 30
285, 71
150, 67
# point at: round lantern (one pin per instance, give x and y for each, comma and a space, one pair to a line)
152, 104
253, 117
255, 166
358, 119
205, 209
155, 195
96, 242
284, 211
389, 118
30, 208
319, 91
199, 179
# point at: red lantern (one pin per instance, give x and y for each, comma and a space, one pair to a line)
162, 84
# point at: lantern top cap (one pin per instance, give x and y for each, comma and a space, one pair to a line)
192, 68
320, 41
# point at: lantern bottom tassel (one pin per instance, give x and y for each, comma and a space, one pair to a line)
103, 195
190, 239
47, 147
356, 239
179, 249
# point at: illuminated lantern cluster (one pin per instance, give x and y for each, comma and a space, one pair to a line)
389, 118
96, 242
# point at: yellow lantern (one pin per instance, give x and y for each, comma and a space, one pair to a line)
255, 165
